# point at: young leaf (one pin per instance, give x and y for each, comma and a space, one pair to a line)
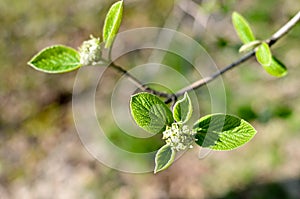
242, 28
164, 158
112, 23
263, 54
223, 132
183, 109
56, 59
276, 68
249, 46
150, 113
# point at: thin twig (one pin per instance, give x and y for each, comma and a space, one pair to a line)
273, 39
139, 84
170, 97
285, 29
206, 80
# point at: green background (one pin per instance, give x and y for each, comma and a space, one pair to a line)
41, 155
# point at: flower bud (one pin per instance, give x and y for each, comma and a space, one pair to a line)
90, 51
179, 136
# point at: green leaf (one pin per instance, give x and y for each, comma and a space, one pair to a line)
223, 132
242, 28
112, 23
269, 63
164, 158
276, 68
150, 113
56, 59
183, 109
249, 46
263, 54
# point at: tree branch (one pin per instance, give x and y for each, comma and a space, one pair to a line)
139, 84
285, 29
170, 97
272, 40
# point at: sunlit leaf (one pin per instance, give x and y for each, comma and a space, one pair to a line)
164, 158
112, 23
150, 113
276, 68
56, 59
242, 28
263, 54
223, 132
183, 109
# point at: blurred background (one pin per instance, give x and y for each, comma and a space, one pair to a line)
41, 155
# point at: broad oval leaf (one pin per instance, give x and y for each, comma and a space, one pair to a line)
263, 54
249, 46
150, 113
183, 109
164, 158
112, 23
223, 132
276, 68
56, 59
242, 28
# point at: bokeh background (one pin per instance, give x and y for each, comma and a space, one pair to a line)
41, 155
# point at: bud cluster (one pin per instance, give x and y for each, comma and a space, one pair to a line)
179, 136
90, 51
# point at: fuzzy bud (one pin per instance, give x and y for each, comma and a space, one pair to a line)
90, 51
179, 137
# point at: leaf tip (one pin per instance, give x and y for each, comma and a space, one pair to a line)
29, 63
112, 23
234, 14
242, 28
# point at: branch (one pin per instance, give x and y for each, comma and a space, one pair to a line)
285, 29
170, 97
139, 84
272, 40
